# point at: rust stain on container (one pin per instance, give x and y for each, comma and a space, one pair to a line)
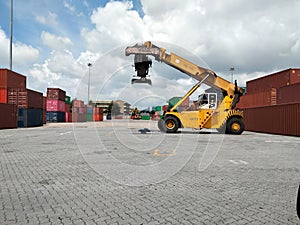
278, 119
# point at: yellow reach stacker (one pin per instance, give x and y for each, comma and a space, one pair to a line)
214, 111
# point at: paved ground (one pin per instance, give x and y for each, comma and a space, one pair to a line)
120, 173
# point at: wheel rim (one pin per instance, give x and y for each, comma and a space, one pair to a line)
235, 127
170, 124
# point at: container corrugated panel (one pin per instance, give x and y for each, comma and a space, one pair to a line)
294, 76
8, 116
56, 94
78, 103
18, 96
78, 117
68, 116
44, 103
3, 95
55, 105
264, 98
44, 116
89, 110
67, 108
35, 99
89, 117
289, 94
30, 117
56, 117
278, 119
268, 82
11, 79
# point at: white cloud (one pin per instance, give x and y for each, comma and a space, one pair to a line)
22, 54
55, 42
49, 20
255, 37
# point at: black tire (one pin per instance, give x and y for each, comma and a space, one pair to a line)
235, 125
162, 125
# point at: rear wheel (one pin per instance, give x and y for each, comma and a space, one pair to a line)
168, 125
235, 126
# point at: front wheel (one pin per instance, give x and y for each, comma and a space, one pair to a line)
235, 126
168, 125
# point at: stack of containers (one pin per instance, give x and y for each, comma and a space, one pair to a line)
89, 113
98, 114
78, 111
30, 106
55, 105
272, 103
68, 111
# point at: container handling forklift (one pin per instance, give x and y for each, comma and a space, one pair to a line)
219, 111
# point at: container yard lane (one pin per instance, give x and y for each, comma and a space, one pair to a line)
127, 172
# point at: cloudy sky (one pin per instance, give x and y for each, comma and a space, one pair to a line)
53, 40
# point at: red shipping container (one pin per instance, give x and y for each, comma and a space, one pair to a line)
165, 108
78, 103
82, 110
277, 119
44, 103
25, 98
289, 94
11, 79
8, 116
55, 105
56, 94
98, 117
68, 117
78, 117
263, 98
275, 80
35, 99
68, 108
3, 95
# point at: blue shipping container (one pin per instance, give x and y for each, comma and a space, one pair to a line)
30, 117
89, 110
56, 117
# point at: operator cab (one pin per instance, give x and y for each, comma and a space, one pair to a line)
207, 101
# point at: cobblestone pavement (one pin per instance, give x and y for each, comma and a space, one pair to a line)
45, 177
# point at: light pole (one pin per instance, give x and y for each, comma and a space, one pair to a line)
11, 34
231, 69
89, 65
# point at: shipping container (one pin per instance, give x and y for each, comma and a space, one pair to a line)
3, 95
165, 108
174, 101
25, 98
278, 119
68, 100
275, 80
11, 79
68, 117
78, 117
30, 117
56, 94
55, 117
78, 103
8, 116
55, 105
89, 110
44, 103
89, 117
67, 108
258, 99
288, 94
